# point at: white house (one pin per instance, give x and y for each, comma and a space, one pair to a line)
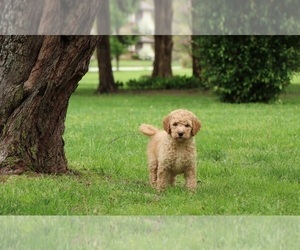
145, 19
144, 22
144, 48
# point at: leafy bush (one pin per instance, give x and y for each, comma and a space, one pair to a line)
175, 82
248, 68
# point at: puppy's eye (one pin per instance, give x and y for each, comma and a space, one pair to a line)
187, 125
175, 124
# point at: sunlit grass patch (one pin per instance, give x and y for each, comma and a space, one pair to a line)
248, 159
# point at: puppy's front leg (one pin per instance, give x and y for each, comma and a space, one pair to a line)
190, 178
162, 178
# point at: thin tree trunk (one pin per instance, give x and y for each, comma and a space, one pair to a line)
195, 30
195, 59
106, 78
162, 65
117, 62
38, 76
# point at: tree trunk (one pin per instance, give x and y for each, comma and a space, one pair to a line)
38, 74
55, 17
118, 62
37, 77
162, 66
195, 59
106, 78
195, 30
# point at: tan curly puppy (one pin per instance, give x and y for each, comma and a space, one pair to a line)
172, 151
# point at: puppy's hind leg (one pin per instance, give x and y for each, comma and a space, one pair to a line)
172, 179
153, 173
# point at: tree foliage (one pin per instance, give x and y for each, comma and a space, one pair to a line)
248, 68
119, 45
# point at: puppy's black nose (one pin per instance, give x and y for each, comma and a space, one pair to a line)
180, 134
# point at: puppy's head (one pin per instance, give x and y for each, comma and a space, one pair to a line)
181, 124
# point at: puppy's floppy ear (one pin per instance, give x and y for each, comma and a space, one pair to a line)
166, 124
196, 126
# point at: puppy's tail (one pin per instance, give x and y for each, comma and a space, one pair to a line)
148, 130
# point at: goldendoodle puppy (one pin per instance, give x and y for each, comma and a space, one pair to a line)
172, 151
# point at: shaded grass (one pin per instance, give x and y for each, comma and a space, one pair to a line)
248, 159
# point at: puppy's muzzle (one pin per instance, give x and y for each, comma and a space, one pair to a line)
180, 134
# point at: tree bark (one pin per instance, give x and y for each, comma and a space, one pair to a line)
38, 76
162, 66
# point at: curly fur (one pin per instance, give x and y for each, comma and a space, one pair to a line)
172, 151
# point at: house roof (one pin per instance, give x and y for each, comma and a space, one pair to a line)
145, 39
145, 6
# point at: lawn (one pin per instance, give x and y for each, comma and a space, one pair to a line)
248, 159
90, 81
248, 164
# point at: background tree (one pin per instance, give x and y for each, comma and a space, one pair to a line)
163, 43
106, 78
230, 17
248, 68
119, 45
38, 76
196, 66
117, 11
194, 46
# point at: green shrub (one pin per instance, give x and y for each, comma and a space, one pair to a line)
248, 68
119, 84
175, 82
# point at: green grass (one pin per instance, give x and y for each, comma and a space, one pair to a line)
248, 159
90, 81
124, 76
